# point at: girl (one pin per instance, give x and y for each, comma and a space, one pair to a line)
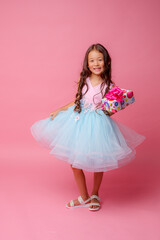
84, 135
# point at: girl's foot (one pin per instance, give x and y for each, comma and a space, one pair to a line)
94, 200
77, 203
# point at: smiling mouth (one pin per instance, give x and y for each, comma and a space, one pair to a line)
97, 68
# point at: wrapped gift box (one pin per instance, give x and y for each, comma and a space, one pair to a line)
117, 99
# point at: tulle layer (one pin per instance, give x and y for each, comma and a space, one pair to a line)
91, 140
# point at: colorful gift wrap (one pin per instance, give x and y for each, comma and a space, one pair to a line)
117, 99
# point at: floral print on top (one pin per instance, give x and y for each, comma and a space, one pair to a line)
89, 101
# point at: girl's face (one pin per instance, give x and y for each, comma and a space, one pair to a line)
96, 62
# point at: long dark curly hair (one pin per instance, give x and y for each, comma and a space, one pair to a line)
105, 75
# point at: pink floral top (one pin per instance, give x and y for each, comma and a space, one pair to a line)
87, 100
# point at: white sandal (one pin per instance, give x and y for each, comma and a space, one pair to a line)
81, 201
95, 204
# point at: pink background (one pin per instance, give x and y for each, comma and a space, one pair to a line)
42, 46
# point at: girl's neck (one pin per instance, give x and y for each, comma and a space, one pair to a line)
95, 78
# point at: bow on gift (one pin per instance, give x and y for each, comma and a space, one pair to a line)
115, 94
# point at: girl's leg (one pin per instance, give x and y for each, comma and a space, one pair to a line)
81, 182
97, 182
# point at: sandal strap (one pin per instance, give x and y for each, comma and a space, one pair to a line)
80, 199
72, 203
95, 196
94, 204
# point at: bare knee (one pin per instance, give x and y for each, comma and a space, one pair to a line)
77, 170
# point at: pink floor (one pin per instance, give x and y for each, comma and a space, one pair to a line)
42, 46
34, 192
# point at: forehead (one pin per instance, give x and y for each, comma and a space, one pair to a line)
95, 54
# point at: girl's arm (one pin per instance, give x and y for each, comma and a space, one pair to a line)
111, 113
108, 113
54, 113
66, 106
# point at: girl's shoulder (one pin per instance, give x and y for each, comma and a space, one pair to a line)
111, 85
106, 85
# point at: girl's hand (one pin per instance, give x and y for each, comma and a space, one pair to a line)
53, 114
110, 113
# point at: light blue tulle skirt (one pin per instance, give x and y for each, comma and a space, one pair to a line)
91, 140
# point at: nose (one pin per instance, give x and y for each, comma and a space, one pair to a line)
96, 63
